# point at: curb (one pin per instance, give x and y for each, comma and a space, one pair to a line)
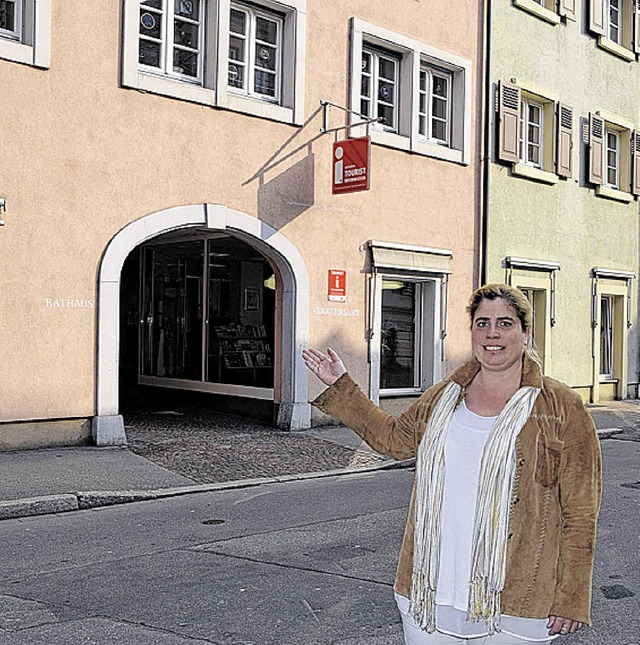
84, 500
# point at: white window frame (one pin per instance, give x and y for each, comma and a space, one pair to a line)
252, 14
607, 375
213, 88
16, 32
616, 124
374, 98
614, 152
613, 20
525, 140
30, 42
413, 55
167, 42
427, 98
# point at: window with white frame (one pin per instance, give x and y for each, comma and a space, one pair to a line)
531, 133
10, 19
243, 56
606, 336
617, 25
434, 110
535, 133
612, 158
255, 47
422, 95
613, 21
549, 10
25, 31
380, 87
171, 37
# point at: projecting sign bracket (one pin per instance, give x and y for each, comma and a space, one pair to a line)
325, 129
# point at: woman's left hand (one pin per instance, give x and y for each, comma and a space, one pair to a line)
560, 625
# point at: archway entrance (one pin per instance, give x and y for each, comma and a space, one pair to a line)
208, 319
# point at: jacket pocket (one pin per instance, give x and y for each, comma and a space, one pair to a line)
548, 457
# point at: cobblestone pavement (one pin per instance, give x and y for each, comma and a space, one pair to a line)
209, 447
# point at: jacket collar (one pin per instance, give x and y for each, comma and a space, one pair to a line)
531, 372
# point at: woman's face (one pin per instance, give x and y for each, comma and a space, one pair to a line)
497, 337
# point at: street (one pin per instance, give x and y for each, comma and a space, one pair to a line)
308, 562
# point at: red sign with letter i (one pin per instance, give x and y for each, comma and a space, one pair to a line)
337, 286
350, 165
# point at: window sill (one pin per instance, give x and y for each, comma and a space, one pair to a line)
614, 48
537, 10
167, 86
257, 107
18, 52
429, 149
542, 176
612, 193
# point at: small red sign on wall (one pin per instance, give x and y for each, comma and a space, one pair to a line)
337, 286
351, 165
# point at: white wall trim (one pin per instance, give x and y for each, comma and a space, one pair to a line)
295, 412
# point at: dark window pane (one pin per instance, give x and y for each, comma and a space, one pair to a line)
149, 53
151, 24
439, 108
187, 8
185, 62
266, 57
422, 125
439, 130
398, 340
364, 108
386, 113
265, 83
186, 34
366, 63
387, 68
156, 4
440, 86
7, 16
236, 49
238, 22
236, 76
423, 81
266, 31
365, 86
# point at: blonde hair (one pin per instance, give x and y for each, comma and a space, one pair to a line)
516, 300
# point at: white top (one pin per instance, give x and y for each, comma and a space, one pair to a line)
468, 433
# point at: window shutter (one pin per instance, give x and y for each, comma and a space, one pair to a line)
509, 123
635, 162
567, 8
596, 16
564, 142
636, 26
596, 148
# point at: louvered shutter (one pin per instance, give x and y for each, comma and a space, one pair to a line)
596, 16
564, 142
636, 26
635, 162
596, 148
568, 9
509, 123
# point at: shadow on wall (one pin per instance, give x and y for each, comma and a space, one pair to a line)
288, 194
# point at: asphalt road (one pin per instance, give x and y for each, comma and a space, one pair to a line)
301, 563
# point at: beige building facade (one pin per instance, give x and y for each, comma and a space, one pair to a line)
169, 224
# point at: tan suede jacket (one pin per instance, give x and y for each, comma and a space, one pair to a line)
554, 503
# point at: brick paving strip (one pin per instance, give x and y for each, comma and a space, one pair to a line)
209, 447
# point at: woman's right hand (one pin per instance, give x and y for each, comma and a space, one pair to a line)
327, 367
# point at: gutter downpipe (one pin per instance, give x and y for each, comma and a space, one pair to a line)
486, 152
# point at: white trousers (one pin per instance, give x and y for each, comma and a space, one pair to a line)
415, 636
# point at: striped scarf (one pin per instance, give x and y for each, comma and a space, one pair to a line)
489, 537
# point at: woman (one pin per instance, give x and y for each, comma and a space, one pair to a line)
499, 542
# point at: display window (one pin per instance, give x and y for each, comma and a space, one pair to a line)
208, 313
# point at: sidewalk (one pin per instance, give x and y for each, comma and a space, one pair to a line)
179, 452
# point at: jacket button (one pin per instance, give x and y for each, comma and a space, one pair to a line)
509, 536
516, 500
521, 461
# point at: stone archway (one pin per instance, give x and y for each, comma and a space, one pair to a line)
294, 408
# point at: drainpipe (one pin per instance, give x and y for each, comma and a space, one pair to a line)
486, 152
